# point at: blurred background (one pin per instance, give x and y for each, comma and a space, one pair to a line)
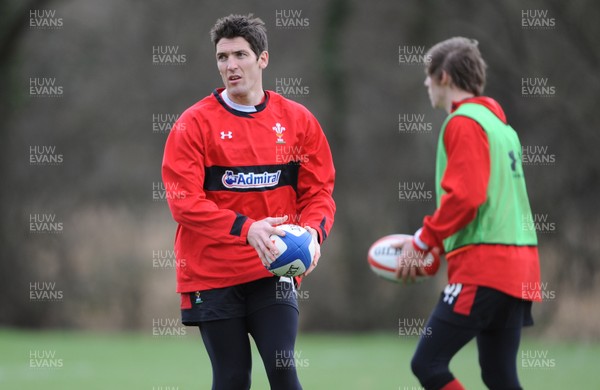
89, 91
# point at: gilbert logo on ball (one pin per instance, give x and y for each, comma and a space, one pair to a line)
383, 258
296, 251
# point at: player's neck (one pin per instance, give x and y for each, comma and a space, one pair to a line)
456, 95
238, 106
251, 99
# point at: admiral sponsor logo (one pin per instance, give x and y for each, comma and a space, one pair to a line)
250, 180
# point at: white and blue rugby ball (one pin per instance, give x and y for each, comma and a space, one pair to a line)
296, 251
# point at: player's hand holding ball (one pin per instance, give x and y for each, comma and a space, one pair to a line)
259, 237
394, 258
317, 246
411, 262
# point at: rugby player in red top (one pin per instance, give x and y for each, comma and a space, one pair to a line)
480, 224
237, 164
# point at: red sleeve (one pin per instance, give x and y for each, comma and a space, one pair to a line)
465, 181
183, 177
316, 179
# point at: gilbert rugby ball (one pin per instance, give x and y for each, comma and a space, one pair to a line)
296, 251
383, 258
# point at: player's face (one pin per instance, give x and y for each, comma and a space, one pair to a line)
241, 70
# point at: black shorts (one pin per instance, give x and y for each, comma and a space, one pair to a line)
237, 301
480, 307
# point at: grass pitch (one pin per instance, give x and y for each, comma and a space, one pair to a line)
75, 360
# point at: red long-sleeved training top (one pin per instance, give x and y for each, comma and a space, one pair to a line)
513, 270
223, 169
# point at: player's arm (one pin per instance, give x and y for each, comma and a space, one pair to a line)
464, 182
316, 178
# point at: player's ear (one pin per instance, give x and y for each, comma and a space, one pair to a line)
263, 59
445, 78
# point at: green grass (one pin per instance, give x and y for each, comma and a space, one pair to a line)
326, 361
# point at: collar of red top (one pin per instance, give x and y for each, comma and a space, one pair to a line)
485, 101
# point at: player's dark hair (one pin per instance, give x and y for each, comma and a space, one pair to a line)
252, 29
461, 59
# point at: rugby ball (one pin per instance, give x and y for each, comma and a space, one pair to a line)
296, 251
383, 258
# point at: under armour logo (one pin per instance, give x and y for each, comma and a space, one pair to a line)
513, 159
229, 134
